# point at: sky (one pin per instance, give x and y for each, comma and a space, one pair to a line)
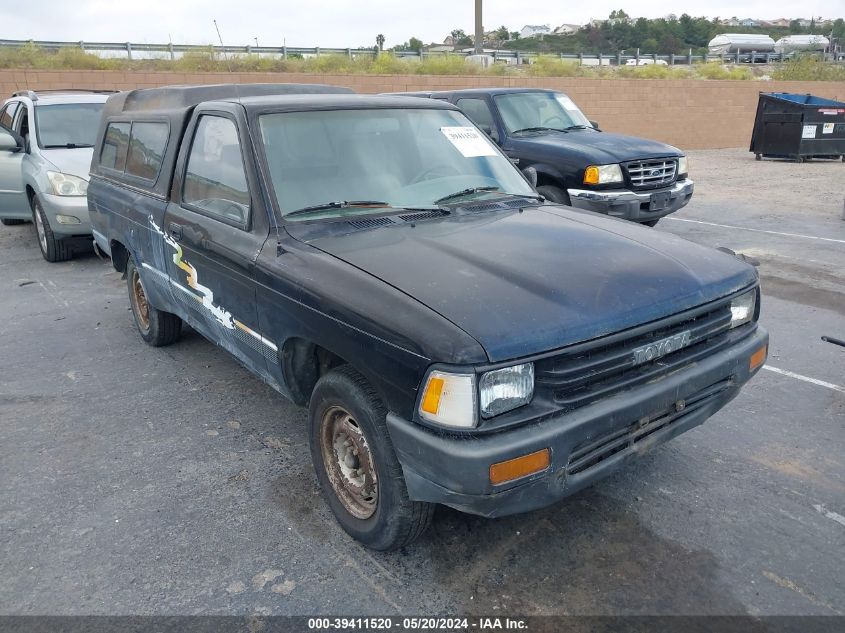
340, 23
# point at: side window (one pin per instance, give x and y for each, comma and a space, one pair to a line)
215, 181
7, 114
22, 121
479, 112
115, 146
146, 149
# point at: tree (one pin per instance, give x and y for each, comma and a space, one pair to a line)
502, 34
794, 26
460, 38
415, 45
380, 41
618, 14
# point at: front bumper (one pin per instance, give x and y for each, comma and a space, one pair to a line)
586, 444
70, 206
632, 205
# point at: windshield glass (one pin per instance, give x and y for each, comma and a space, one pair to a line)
399, 157
521, 110
68, 124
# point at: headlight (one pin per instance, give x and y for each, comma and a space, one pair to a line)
602, 174
449, 400
742, 308
67, 185
506, 389
683, 167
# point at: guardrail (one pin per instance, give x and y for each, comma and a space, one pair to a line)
508, 56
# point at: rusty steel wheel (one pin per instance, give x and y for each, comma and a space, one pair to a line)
349, 463
155, 326
139, 302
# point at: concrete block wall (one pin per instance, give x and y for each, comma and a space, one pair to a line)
691, 114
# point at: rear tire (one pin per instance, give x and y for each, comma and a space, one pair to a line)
555, 194
11, 222
157, 328
52, 248
357, 468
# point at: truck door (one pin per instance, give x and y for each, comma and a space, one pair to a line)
214, 228
13, 202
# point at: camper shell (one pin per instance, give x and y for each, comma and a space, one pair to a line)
174, 105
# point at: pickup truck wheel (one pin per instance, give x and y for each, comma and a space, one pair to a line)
555, 194
11, 222
156, 327
52, 248
359, 473
652, 222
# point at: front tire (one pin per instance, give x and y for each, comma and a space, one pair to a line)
11, 222
52, 248
652, 222
156, 327
357, 468
555, 194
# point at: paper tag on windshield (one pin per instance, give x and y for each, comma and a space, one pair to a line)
567, 103
468, 141
827, 128
809, 131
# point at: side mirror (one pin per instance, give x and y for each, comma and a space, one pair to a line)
594, 124
9, 141
531, 174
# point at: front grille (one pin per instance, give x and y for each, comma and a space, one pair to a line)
594, 370
597, 450
647, 174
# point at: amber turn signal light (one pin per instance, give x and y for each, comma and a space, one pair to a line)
591, 175
757, 358
520, 467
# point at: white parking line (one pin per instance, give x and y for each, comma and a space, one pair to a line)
745, 228
814, 381
830, 515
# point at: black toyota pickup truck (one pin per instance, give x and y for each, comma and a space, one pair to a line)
457, 339
574, 162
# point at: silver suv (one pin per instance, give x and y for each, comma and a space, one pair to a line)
46, 144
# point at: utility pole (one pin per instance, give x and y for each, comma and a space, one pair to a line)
479, 29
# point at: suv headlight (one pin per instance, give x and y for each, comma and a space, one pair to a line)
451, 399
742, 308
683, 166
602, 174
506, 389
67, 185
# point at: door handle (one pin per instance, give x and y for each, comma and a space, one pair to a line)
175, 230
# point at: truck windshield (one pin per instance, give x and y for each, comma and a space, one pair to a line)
533, 110
344, 162
68, 124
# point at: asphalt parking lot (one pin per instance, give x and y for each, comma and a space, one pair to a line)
171, 481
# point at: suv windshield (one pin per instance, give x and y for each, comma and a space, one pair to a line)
533, 110
355, 160
68, 124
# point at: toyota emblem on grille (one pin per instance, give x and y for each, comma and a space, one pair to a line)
655, 172
662, 347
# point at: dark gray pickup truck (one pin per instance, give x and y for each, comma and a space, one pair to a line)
572, 161
457, 339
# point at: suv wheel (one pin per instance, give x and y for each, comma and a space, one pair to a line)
53, 249
359, 474
156, 327
555, 194
11, 222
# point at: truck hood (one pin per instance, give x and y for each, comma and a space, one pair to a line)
598, 147
527, 282
75, 162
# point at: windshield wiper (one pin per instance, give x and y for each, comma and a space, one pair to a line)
465, 192
339, 204
578, 127
68, 146
540, 129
